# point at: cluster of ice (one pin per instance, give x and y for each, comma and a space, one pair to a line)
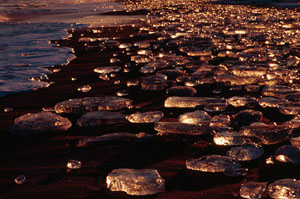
89, 104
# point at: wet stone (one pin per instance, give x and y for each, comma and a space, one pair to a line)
122, 136
20, 179
99, 118
181, 128
135, 182
288, 153
285, 189
89, 104
246, 152
233, 138
181, 91
74, 164
42, 122
196, 117
253, 190
146, 117
213, 163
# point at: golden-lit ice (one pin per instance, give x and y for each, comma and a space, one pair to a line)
135, 182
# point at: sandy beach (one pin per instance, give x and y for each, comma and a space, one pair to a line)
43, 158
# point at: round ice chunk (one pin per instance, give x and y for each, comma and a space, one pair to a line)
135, 182
42, 122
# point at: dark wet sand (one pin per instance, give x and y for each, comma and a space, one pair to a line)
43, 159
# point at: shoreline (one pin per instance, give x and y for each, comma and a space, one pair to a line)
42, 158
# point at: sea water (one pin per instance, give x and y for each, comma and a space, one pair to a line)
26, 28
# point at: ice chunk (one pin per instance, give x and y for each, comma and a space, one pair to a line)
290, 108
199, 53
196, 117
269, 134
252, 88
285, 189
213, 163
293, 123
181, 91
99, 118
146, 117
74, 164
154, 83
278, 91
144, 52
295, 141
236, 80
181, 128
20, 179
288, 153
42, 122
111, 137
219, 122
215, 106
247, 117
85, 88
248, 71
89, 104
189, 102
122, 93
147, 69
233, 138
246, 152
253, 190
242, 101
271, 102
107, 69
7, 110
140, 59
135, 182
